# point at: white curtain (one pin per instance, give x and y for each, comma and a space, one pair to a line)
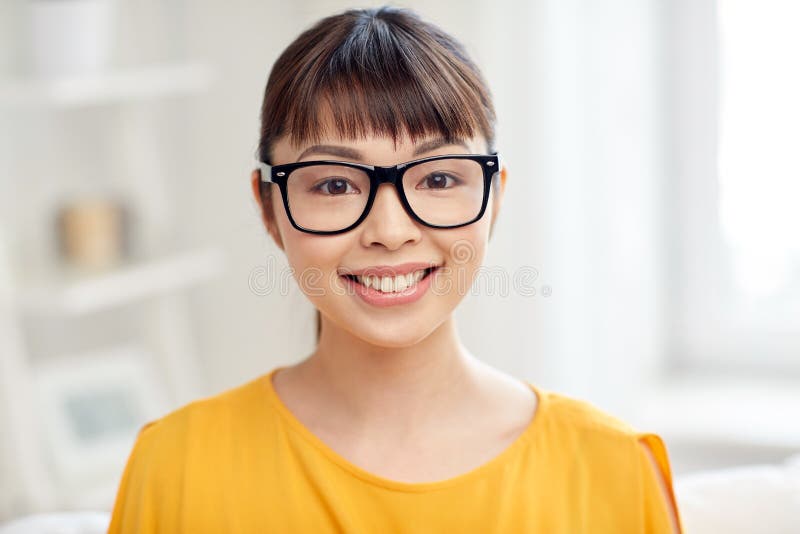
579, 91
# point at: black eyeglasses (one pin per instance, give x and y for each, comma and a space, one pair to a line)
332, 197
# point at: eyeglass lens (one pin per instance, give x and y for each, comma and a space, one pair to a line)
443, 192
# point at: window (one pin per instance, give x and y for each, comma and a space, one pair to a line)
739, 176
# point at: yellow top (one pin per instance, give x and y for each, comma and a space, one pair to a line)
241, 462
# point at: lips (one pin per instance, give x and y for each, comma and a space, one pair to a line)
397, 294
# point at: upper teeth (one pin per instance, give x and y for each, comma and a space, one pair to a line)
390, 284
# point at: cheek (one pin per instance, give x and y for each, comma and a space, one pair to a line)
314, 259
467, 245
465, 249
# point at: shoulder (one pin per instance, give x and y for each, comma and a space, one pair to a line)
580, 436
571, 416
577, 422
577, 419
212, 411
175, 457
198, 427
611, 454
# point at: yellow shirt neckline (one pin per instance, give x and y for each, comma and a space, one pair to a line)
495, 463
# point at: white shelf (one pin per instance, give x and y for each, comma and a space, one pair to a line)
123, 285
113, 86
40, 297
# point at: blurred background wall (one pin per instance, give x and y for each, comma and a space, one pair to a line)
649, 216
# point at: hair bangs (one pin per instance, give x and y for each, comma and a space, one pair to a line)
377, 75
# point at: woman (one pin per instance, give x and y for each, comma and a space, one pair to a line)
390, 424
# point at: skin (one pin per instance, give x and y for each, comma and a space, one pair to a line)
393, 389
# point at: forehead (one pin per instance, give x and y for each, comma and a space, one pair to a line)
360, 150
329, 132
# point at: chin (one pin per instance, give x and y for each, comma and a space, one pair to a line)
394, 334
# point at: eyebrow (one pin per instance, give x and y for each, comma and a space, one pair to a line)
351, 153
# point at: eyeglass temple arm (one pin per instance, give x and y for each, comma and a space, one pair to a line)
265, 170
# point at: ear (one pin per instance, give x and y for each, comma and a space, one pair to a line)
265, 205
498, 195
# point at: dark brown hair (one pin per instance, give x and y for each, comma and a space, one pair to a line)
380, 71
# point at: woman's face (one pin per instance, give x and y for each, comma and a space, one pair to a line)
387, 237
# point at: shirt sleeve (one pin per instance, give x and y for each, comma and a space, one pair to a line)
660, 514
136, 502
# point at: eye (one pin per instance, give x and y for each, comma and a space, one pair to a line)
438, 180
334, 187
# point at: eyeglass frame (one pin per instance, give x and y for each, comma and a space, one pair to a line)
393, 174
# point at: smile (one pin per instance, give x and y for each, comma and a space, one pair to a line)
391, 284
383, 291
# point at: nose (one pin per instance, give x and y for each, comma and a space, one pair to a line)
388, 223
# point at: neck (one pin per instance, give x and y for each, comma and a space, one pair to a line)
403, 387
